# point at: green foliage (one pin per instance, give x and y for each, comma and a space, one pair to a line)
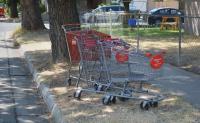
3, 1
7, 2
42, 7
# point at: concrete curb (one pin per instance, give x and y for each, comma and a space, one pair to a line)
48, 97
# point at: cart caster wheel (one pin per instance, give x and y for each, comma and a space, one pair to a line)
69, 82
77, 94
92, 78
145, 105
106, 100
98, 87
95, 87
154, 104
113, 99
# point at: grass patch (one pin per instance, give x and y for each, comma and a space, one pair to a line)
144, 32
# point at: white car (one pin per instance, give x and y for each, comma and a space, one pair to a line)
104, 14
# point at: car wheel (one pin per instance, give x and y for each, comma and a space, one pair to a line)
150, 21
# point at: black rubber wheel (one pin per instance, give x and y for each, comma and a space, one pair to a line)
74, 94
145, 105
77, 94
95, 87
92, 78
106, 100
69, 82
154, 104
113, 99
98, 87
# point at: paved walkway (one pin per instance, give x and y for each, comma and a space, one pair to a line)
181, 83
19, 100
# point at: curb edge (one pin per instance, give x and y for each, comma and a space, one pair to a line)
48, 97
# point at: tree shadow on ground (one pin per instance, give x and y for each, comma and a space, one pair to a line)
19, 95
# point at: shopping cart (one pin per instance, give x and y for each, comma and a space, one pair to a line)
73, 33
116, 66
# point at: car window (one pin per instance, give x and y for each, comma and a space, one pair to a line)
117, 8
104, 9
97, 10
110, 9
153, 10
107, 9
174, 12
163, 12
113, 8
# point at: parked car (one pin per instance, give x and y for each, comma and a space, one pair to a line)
103, 13
2, 12
155, 15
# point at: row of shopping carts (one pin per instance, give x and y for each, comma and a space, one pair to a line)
111, 67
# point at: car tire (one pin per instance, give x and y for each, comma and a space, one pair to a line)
150, 21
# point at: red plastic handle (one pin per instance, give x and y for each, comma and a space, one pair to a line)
157, 61
121, 57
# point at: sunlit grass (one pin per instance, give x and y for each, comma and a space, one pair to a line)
146, 32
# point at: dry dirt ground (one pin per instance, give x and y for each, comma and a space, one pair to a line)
90, 109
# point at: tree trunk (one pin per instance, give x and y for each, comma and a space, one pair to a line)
60, 12
31, 16
192, 20
93, 4
126, 5
182, 5
13, 8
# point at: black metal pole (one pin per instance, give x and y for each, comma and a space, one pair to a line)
180, 41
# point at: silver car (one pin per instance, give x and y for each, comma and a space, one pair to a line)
104, 14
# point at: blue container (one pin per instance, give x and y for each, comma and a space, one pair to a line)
132, 22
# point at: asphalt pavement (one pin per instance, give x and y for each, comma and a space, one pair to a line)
181, 83
19, 99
